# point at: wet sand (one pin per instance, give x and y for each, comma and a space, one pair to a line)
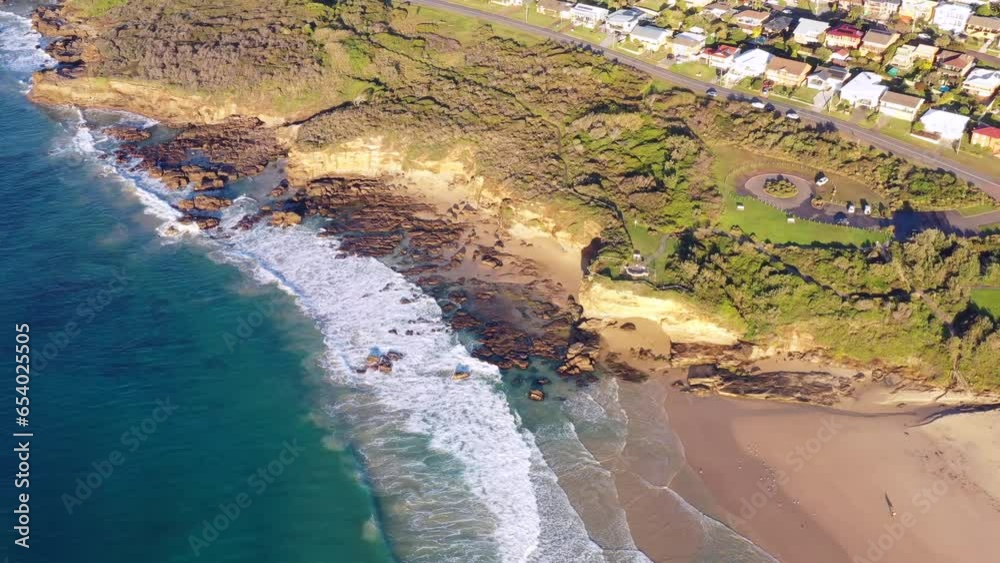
811, 484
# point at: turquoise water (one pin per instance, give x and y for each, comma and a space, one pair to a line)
68, 233
197, 397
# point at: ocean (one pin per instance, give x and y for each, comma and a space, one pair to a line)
196, 397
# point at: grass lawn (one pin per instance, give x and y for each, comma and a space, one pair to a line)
769, 224
977, 209
731, 162
646, 242
989, 299
805, 95
695, 70
591, 35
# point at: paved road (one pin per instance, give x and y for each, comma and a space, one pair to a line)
989, 183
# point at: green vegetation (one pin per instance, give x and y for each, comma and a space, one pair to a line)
780, 187
95, 8
768, 224
987, 299
657, 166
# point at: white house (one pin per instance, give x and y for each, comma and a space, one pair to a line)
587, 15
917, 10
864, 90
808, 31
982, 82
652, 38
687, 45
624, 21
827, 78
946, 125
749, 64
952, 17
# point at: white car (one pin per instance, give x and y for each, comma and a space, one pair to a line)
792, 114
822, 180
757, 104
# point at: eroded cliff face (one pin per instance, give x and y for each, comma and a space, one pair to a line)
449, 180
676, 317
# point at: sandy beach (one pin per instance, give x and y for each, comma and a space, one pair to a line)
820, 485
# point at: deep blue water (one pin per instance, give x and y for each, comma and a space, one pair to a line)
148, 327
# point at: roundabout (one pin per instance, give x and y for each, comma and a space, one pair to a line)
784, 191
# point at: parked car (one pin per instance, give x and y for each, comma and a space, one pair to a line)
821, 179
792, 114
711, 92
757, 104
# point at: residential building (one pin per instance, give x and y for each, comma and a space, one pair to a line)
917, 10
900, 106
877, 42
587, 15
864, 90
848, 5
786, 72
907, 56
554, 8
979, 27
881, 10
982, 82
687, 45
749, 20
778, 25
952, 17
716, 10
827, 79
720, 56
844, 35
988, 137
809, 32
623, 21
651, 38
841, 57
749, 64
955, 64
942, 125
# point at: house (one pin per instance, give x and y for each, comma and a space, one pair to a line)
808, 32
952, 17
587, 15
749, 64
786, 72
827, 78
988, 137
864, 90
917, 10
982, 82
877, 42
716, 10
720, 56
651, 38
943, 125
907, 56
900, 106
777, 25
508, 2
554, 8
881, 10
749, 20
955, 64
848, 5
844, 35
841, 57
979, 27
623, 21
687, 45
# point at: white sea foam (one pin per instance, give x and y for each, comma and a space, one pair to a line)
19, 43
